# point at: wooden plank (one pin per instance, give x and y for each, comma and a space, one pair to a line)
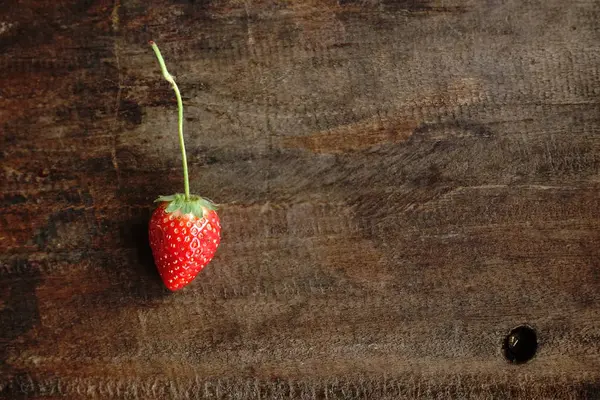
402, 182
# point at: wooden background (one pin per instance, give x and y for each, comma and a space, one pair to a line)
402, 182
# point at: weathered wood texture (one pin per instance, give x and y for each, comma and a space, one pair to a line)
402, 182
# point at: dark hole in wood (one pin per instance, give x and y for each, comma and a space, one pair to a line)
520, 345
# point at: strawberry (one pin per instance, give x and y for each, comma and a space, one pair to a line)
184, 230
183, 243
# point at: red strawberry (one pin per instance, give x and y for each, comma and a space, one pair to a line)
184, 230
182, 243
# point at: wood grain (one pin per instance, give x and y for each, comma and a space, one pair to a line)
402, 182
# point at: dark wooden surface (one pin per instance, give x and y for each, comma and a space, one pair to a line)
402, 182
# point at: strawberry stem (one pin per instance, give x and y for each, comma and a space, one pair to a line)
171, 80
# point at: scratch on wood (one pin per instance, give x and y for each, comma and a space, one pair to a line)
248, 23
113, 150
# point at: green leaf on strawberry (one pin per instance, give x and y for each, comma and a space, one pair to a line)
195, 205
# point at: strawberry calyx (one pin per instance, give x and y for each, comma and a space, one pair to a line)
196, 205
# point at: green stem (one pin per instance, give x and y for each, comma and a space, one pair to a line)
171, 80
